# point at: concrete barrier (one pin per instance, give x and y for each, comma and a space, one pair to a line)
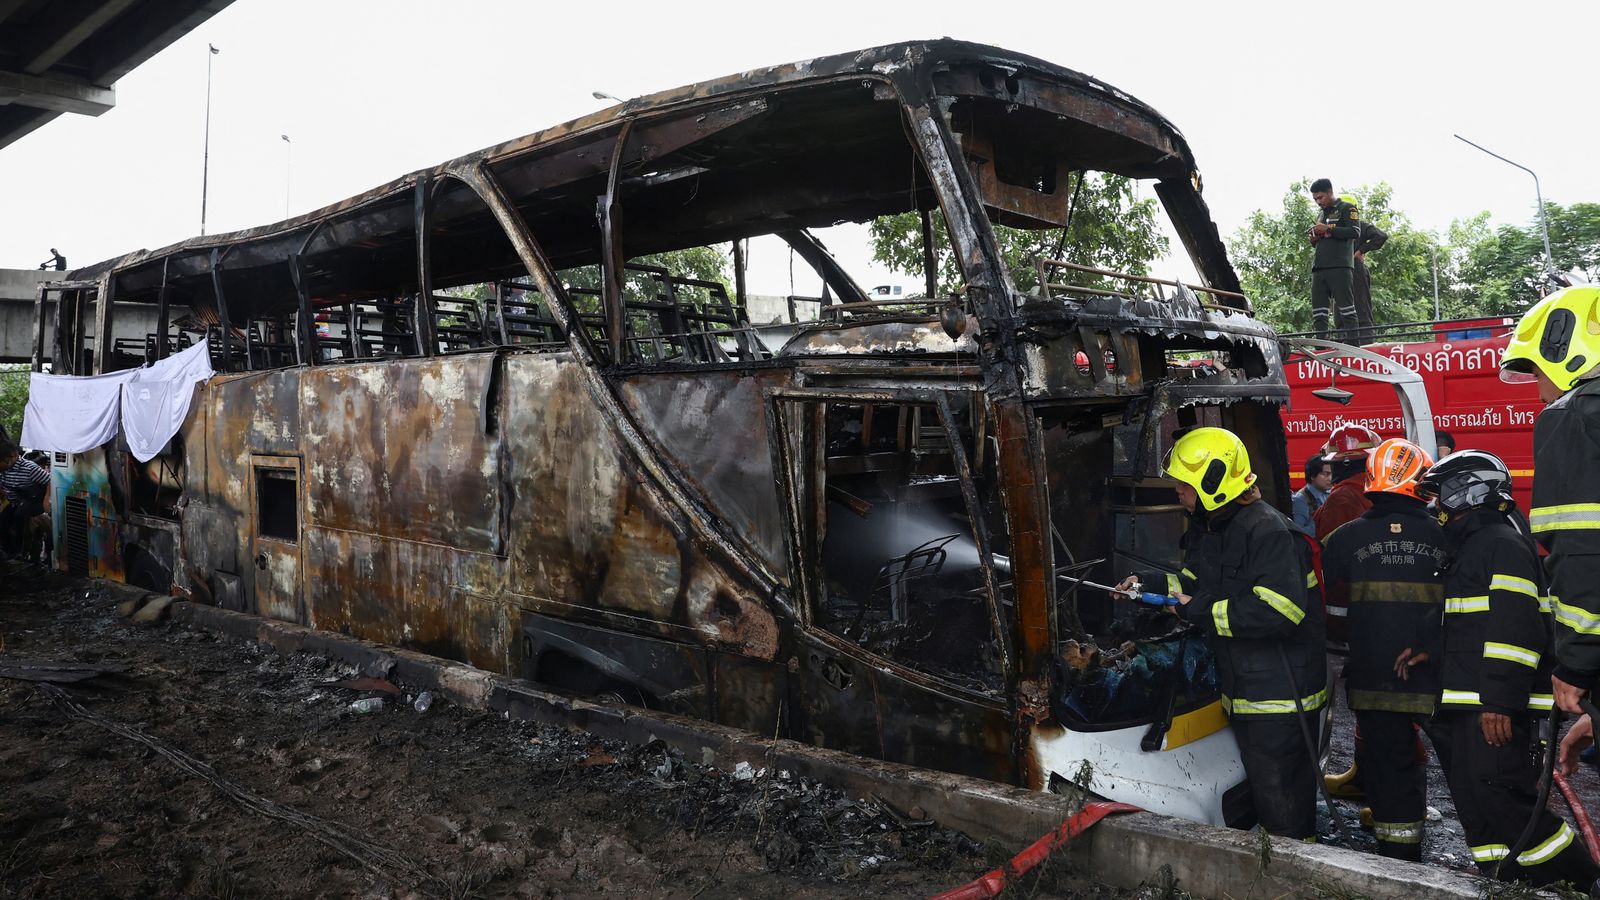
1122, 851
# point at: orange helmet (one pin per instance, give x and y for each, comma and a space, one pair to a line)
1396, 466
1350, 441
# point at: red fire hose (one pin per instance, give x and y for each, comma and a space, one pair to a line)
990, 884
1579, 815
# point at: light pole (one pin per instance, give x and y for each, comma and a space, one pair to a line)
288, 160
1433, 252
205, 161
602, 95
1544, 226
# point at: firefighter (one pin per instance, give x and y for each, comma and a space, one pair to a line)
1496, 676
1347, 449
1385, 565
1557, 344
1248, 582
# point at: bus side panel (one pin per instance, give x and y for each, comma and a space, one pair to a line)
591, 536
403, 449
86, 524
247, 415
427, 597
712, 426
211, 554
402, 506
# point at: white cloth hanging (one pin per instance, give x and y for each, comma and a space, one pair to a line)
155, 401
77, 413
72, 413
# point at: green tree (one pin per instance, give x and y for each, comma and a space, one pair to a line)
13, 398
1273, 258
1110, 228
710, 263
1505, 267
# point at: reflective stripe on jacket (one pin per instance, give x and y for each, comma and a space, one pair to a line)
1566, 520
1256, 596
1386, 564
1496, 625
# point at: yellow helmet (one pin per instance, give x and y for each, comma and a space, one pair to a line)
1214, 462
1559, 336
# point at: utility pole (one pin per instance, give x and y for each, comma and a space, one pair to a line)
205, 161
1434, 253
288, 161
1544, 226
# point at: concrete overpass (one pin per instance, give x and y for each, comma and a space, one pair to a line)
18, 290
65, 56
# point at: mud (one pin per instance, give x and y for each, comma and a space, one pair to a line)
258, 779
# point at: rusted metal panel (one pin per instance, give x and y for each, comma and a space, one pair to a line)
712, 427
402, 448
408, 593
920, 335
589, 533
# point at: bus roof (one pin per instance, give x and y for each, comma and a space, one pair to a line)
1161, 148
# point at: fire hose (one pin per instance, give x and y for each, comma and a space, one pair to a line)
1579, 814
991, 883
1548, 777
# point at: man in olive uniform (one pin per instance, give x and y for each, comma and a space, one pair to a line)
1333, 239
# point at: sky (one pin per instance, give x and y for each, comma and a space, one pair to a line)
369, 90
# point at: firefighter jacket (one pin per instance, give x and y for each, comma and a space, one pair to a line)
1346, 501
1496, 620
1386, 564
1566, 520
1256, 597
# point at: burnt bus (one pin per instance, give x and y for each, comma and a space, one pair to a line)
478, 413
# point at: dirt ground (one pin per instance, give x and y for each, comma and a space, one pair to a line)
274, 786
209, 768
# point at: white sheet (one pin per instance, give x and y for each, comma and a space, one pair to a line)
76, 413
72, 413
156, 399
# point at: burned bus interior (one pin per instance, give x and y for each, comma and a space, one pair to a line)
487, 411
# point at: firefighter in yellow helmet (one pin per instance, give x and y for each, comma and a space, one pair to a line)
1248, 581
1557, 344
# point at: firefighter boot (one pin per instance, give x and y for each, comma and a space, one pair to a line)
1346, 785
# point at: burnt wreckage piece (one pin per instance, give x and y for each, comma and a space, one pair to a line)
495, 411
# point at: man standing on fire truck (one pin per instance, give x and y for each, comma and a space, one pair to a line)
1557, 344
1384, 565
1333, 239
1249, 583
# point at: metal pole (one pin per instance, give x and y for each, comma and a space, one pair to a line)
1544, 225
205, 163
1435, 255
288, 161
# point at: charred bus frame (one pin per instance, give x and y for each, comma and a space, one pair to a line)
592, 471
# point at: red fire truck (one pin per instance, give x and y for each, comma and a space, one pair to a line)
1459, 365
